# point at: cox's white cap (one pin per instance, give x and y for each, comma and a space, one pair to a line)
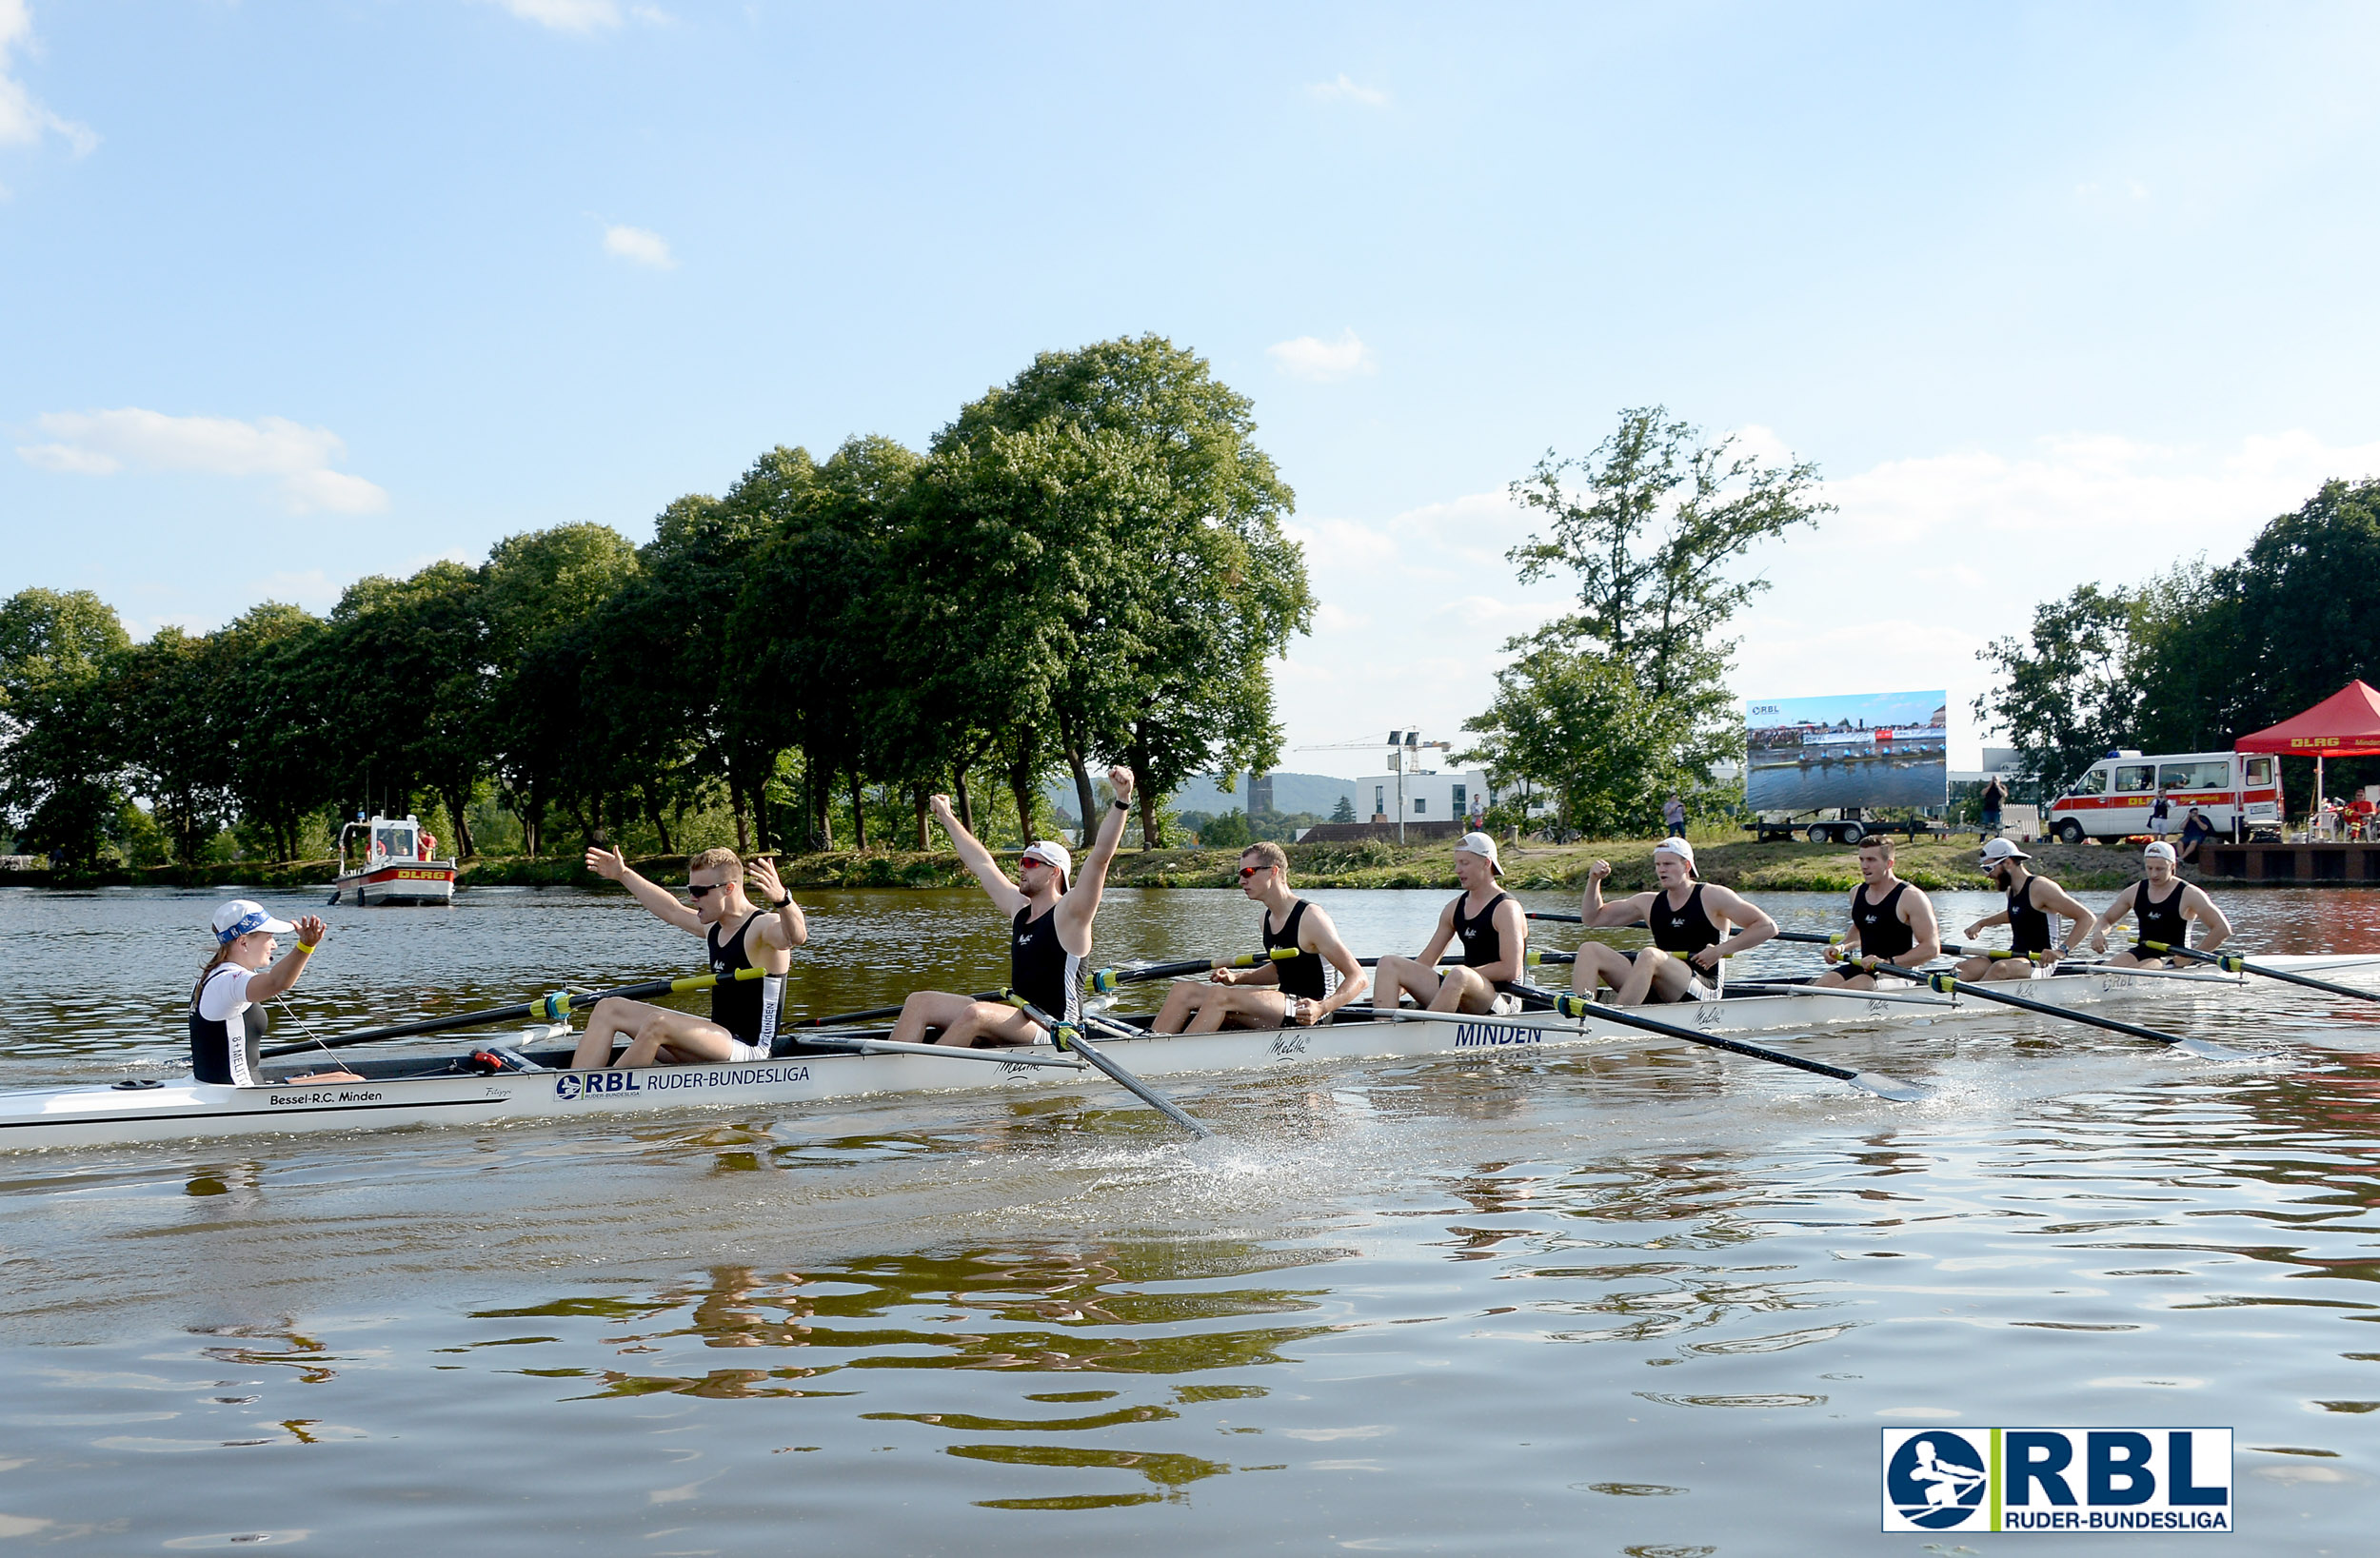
2002, 849
1053, 854
1674, 845
246, 917
1481, 845
2160, 850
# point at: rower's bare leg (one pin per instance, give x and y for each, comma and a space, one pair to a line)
1463, 990
2136, 958
1672, 979
2011, 968
1835, 978
1642, 970
678, 1036
1260, 1007
1397, 977
986, 1026
1972, 969
1596, 964
1181, 1002
609, 1020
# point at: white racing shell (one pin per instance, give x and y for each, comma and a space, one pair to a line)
388, 1097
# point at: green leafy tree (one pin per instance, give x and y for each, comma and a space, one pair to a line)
1196, 587
1344, 810
168, 696
2064, 695
60, 769
1580, 727
279, 740
414, 657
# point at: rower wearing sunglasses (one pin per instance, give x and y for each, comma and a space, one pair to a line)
1288, 994
1049, 934
741, 1023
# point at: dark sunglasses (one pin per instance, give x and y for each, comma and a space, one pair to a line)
1247, 870
699, 890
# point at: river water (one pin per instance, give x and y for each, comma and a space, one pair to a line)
1637, 1299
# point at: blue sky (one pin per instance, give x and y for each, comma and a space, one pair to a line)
298, 291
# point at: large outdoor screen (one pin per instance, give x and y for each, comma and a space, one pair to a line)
1848, 749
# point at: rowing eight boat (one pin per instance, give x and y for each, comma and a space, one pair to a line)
521, 1081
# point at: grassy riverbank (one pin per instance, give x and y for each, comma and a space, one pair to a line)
1750, 867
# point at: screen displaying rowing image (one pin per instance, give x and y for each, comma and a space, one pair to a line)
1846, 749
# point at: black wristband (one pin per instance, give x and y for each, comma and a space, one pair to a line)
782, 902
1122, 806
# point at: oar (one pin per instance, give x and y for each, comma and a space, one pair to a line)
1106, 980
839, 1019
554, 1008
2232, 963
1558, 919
940, 1052
1945, 984
1068, 1036
1569, 1005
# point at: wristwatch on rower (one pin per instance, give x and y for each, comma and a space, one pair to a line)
783, 903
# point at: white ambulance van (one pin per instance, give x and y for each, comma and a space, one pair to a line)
2239, 792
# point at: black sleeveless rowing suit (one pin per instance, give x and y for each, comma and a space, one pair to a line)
1041, 969
1483, 943
216, 1055
1882, 933
1302, 974
2028, 927
1682, 932
735, 1006
2162, 922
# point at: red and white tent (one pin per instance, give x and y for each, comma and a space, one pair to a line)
2345, 725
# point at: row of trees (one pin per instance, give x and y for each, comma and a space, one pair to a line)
1085, 566
2202, 655
1615, 706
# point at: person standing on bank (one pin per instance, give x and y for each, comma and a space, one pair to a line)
1673, 814
1994, 799
227, 1014
737, 1028
2164, 905
1891, 921
1695, 926
1488, 922
1049, 934
1285, 994
2032, 899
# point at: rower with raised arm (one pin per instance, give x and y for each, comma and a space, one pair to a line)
739, 1027
226, 1005
1891, 921
2032, 899
1049, 926
1292, 992
2164, 905
1488, 922
1695, 926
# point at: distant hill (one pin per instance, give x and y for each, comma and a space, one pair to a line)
1315, 793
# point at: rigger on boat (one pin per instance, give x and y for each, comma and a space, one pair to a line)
322, 1085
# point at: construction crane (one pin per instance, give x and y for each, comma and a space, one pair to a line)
1400, 743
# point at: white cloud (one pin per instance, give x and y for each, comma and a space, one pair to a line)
1344, 90
564, 15
1927, 560
23, 121
103, 443
640, 246
1324, 361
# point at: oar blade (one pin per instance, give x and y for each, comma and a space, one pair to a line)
1890, 1088
2206, 1049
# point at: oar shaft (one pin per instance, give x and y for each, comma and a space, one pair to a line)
1567, 1005
1948, 984
2237, 964
1068, 1036
553, 1008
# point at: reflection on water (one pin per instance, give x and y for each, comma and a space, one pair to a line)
1634, 1300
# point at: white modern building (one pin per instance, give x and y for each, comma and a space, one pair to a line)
1429, 795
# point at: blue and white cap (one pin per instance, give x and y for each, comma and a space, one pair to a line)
246, 917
